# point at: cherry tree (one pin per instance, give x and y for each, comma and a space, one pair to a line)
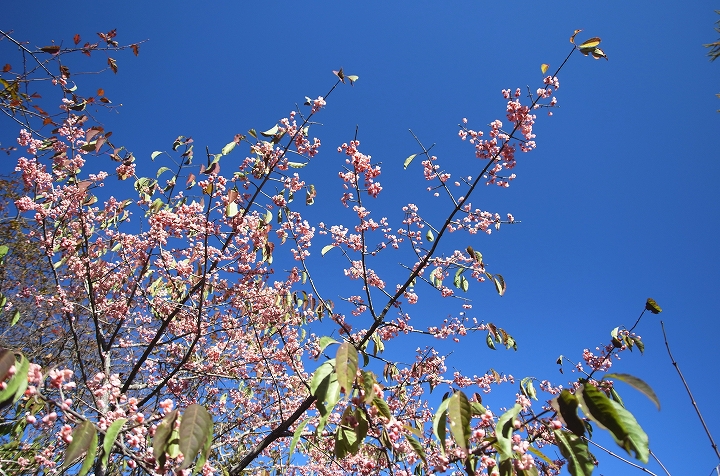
180, 309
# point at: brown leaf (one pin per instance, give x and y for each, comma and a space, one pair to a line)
135, 48
101, 92
6, 68
52, 49
572, 38
65, 71
76, 38
113, 65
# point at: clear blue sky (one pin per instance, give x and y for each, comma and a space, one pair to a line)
618, 203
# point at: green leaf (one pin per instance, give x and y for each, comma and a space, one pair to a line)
460, 415
528, 388
566, 405
637, 384
321, 381
296, 437
408, 161
109, 440
652, 306
204, 453
417, 447
270, 132
540, 455
382, 407
429, 236
15, 317
162, 437
195, 425
231, 209
368, 385
84, 438
228, 148
326, 341
504, 430
154, 155
575, 450
346, 365
325, 249
297, 165
439, 422
3, 252
489, 341
499, 284
613, 417
162, 170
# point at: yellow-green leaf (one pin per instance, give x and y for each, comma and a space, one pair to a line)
652, 306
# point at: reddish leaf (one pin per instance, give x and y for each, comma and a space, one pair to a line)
6, 68
104, 100
135, 48
113, 65
90, 134
101, 92
40, 110
76, 39
99, 143
47, 121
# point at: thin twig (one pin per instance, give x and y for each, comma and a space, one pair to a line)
659, 462
687, 389
641, 468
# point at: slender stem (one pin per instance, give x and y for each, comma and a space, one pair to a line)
687, 389
641, 468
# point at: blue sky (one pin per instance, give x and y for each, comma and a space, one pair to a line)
618, 203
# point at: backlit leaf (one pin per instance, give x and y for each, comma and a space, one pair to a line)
408, 161
83, 437
270, 132
544, 67
326, 248
109, 440
346, 365
162, 436
439, 422
195, 426
460, 414
321, 379
296, 437
504, 430
228, 148
591, 43
382, 407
